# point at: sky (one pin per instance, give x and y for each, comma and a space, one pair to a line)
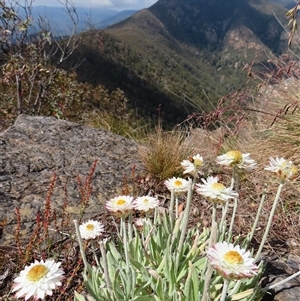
113, 4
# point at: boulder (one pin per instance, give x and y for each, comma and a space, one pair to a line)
278, 269
37, 151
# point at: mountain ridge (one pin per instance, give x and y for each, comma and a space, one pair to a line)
189, 71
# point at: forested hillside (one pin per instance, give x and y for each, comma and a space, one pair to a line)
173, 59
182, 56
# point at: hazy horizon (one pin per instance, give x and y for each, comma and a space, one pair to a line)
109, 4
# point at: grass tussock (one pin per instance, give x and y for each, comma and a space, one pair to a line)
163, 151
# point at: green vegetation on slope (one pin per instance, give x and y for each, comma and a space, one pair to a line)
179, 56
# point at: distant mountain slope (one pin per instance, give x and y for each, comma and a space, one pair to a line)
179, 50
205, 24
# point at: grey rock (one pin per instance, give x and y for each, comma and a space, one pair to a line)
278, 269
36, 148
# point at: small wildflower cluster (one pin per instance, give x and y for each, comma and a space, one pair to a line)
42, 277
161, 256
124, 205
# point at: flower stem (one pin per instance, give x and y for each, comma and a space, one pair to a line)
125, 242
130, 227
86, 265
184, 224
185, 220
269, 222
263, 197
235, 176
176, 207
224, 291
214, 226
95, 255
171, 208
212, 240
223, 219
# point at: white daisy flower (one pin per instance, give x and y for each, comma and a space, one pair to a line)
91, 229
232, 157
179, 185
215, 191
145, 203
236, 158
120, 205
38, 279
285, 170
231, 261
192, 165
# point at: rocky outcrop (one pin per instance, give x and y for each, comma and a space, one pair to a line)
35, 149
242, 39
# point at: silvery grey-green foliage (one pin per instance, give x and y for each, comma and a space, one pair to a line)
158, 270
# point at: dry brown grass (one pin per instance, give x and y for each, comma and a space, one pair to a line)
265, 124
162, 152
278, 134
273, 130
268, 126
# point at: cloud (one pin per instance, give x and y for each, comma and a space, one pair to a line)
96, 3
149, 2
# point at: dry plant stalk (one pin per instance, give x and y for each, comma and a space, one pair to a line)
42, 244
85, 189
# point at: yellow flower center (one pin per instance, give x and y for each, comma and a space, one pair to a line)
217, 186
294, 171
233, 257
236, 156
37, 272
90, 227
197, 162
288, 170
146, 201
121, 202
178, 183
